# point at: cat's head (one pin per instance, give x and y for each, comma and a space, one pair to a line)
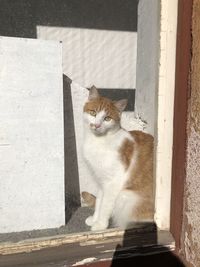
102, 115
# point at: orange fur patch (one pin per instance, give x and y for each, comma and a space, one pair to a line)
126, 152
88, 199
141, 175
102, 103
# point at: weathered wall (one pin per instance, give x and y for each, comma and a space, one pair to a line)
191, 219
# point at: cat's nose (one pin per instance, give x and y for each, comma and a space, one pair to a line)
97, 126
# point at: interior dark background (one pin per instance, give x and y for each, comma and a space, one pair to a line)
20, 18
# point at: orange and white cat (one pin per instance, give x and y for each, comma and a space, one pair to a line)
121, 163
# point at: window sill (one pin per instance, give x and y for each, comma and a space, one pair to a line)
82, 248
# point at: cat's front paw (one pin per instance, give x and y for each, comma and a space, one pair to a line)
99, 226
89, 221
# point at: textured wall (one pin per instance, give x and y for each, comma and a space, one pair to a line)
31, 135
191, 222
101, 57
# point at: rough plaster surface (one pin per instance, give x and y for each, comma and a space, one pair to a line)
191, 220
191, 231
31, 135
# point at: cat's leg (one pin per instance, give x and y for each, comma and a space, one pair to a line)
92, 219
109, 196
123, 213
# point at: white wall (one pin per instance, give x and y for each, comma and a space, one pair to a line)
147, 61
31, 135
102, 57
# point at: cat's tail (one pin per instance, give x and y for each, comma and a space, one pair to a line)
88, 199
123, 212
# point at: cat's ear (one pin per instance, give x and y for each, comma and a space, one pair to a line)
93, 93
121, 104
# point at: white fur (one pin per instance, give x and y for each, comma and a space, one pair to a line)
124, 207
101, 153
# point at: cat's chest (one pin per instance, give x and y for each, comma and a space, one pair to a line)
100, 153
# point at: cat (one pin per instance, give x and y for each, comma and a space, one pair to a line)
121, 163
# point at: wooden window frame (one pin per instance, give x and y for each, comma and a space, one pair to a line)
88, 247
182, 94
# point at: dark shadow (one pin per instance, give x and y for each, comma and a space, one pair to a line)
72, 188
144, 250
117, 94
20, 18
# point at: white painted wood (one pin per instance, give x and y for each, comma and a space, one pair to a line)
31, 135
164, 130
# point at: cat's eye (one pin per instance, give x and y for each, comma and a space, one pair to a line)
92, 113
107, 118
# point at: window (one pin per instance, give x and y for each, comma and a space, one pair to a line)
163, 131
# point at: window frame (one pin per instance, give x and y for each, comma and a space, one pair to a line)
182, 95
